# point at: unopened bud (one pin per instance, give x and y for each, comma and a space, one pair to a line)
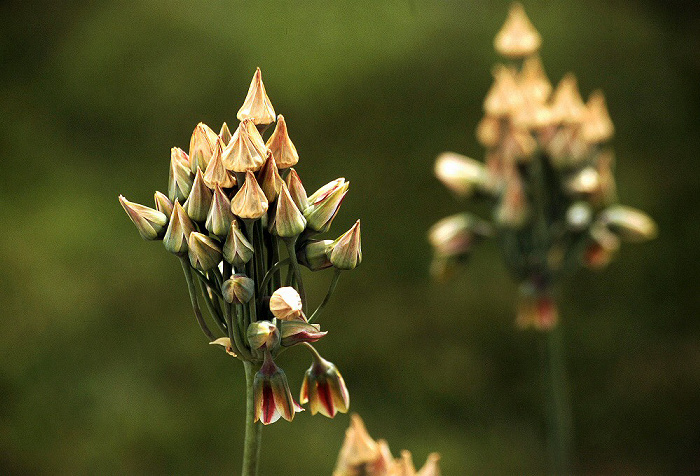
597, 126
204, 253
216, 173
179, 176
585, 181
225, 134
237, 249
629, 223
246, 151
297, 190
257, 105
285, 304
314, 254
263, 334
220, 215
224, 342
238, 289
163, 203
567, 104
324, 205
346, 251
460, 174
201, 147
289, 221
431, 466
455, 235
198, 203
296, 332
269, 179
250, 201
281, 145
488, 131
517, 37
149, 222
179, 230
533, 82
578, 216
504, 96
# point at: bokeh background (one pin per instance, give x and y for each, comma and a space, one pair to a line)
102, 367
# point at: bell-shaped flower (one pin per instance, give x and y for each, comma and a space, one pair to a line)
220, 215
324, 205
289, 221
246, 151
460, 174
163, 203
297, 190
346, 250
263, 335
204, 253
150, 223
314, 254
273, 399
517, 37
269, 179
202, 147
257, 105
237, 249
324, 388
198, 203
281, 145
296, 332
285, 304
179, 229
250, 201
216, 173
179, 176
238, 289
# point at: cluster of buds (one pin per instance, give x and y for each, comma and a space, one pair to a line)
548, 176
360, 455
242, 224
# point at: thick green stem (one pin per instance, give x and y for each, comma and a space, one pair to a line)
253, 429
193, 297
331, 289
558, 405
297, 270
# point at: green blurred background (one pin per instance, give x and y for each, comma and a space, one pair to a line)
102, 367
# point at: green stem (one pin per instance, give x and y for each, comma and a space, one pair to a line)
213, 310
331, 289
297, 270
558, 405
270, 273
193, 297
253, 429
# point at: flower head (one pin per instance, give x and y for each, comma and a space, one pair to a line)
273, 399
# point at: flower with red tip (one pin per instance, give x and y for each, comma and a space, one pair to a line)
324, 388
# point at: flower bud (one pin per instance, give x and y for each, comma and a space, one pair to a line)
324, 205
225, 134
517, 37
269, 179
257, 105
346, 250
504, 96
198, 203
567, 104
359, 452
246, 150
314, 254
403, 466
273, 399
431, 466
238, 289
324, 388
250, 201
285, 304
488, 131
263, 334
628, 223
281, 145
149, 222
179, 230
597, 126
179, 177
224, 342
215, 172
295, 332
297, 190
163, 203
536, 309
201, 147
220, 215
585, 181
455, 235
289, 221
578, 216
204, 253
518, 145
460, 174
533, 82
237, 249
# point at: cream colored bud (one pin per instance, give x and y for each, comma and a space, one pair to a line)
204, 253
225, 134
488, 131
629, 223
281, 145
585, 181
289, 221
179, 229
257, 105
431, 466
201, 147
460, 174
198, 203
504, 97
346, 251
250, 201
269, 179
567, 105
149, 222
163, 203
533, 82
246, 151
237, 249
297, 190
220, 215
285, 304
216, 173
517, 37
597, 126
179, 176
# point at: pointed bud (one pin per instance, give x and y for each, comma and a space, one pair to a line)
324, 205
198, 203
201, 147
224, 342
359, 450
238, 289
456, 234
536, 308
324, 388
237, 249
225, 134
404, 466
257, 105
163, 203
533, 115
597, 126
204, 253
567, 104
628, 223
246, 150
295, 332
517, 37
250, 201
273, 399
431, 466
149, 222
460, 174
297, 190
504, 97
179, 177
269, 179
314, 254
220, 215
179, 230
488, 131
289, 221
346, 251
285, 304
215, 172
533, 82
281, 145
263, 334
